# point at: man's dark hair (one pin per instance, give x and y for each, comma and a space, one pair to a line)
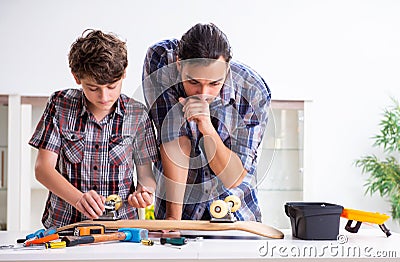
99, 56
204, 41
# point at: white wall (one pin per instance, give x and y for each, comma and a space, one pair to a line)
342, 54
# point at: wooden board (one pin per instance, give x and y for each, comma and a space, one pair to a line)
201, 225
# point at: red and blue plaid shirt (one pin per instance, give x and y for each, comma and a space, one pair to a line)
239, 115
91, 154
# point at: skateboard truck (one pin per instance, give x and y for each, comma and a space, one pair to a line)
112, 204
222, 210
228, 218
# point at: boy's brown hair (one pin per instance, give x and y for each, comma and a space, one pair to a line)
98, 56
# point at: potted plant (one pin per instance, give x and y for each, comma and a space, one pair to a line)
385, 174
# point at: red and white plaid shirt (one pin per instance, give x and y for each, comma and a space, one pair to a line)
91, 154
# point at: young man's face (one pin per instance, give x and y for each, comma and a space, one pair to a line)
207, 80
100, 97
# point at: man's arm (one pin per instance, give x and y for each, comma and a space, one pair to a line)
224, 162
90, 203
175, 159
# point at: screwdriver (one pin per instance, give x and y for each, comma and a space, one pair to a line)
58, 244
176, 241
149, 242
47, 245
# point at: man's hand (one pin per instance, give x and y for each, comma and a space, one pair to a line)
197, 109
91, 204
225, 163
141, 198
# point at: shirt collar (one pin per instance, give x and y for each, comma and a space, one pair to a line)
119, 109
84, 104
227, 93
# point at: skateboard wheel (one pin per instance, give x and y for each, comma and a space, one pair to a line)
116, 199
219, 209
234, 202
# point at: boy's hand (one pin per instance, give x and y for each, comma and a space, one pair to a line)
141, 198
91, 204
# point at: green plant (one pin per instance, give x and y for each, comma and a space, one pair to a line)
385, 174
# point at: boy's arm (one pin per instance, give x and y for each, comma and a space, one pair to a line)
90, 203
145, 177
175, 159
143, 196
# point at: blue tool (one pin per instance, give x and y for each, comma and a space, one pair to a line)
39, 234
36, 234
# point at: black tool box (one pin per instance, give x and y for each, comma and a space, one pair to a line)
314, 220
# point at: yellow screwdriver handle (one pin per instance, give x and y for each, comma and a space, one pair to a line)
58, 244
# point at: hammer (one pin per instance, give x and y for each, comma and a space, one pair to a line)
124, 234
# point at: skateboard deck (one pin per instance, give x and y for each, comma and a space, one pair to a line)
198, 225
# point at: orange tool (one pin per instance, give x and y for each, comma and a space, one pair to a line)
42, 240
364, 216
91, 229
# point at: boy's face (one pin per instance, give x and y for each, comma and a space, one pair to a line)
100, 97
198, 79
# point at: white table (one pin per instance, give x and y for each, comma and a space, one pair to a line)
366, 245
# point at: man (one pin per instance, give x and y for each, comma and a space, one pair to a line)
89, 139
210, 114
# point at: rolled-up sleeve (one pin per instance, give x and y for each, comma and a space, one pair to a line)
47, 134
160, 83
251, 116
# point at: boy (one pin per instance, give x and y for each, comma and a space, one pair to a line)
89, 139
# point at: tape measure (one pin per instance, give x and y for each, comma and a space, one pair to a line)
89, 229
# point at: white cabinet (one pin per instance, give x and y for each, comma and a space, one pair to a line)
281, 169
3, 165
19, 193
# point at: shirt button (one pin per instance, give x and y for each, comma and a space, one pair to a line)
95, 167
94, 187
206, 191
96, 146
